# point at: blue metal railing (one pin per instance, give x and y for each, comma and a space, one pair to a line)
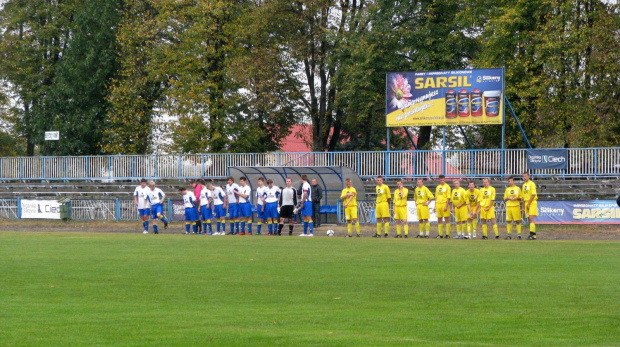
582, 162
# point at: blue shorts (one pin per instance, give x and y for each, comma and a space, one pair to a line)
259, 212
144, 212
244, 210
219, 211
233, 211
206, 213
271, 210
191, 214
307, 210
155, 209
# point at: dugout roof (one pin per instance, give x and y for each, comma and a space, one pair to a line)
330, 178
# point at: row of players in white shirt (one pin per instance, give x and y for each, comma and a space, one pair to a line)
235, 193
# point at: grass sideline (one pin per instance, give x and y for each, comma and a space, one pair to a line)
136, 290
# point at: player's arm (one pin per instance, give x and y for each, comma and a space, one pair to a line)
135, 198
280, 200
303, 198
430, 195
294, 197
162, 197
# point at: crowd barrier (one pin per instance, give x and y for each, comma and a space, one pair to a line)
550, 212
582, 162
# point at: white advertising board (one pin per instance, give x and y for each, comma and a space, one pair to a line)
413, 212
40, 209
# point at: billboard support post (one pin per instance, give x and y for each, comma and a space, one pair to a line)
514, 115
443, 152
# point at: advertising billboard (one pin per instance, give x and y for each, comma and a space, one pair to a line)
40, 209
578, 212
456, 97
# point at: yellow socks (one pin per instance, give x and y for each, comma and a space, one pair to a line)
397, 229
421, 228
509, 228
532, 227
485, 228
387, 228
406, 229
349, 227
519, 229
428, 228
495, 229
447, 229
440, 229
378, 228
357, 227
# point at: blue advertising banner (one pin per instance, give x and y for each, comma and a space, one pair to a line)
457, 97
578, 212
547, 159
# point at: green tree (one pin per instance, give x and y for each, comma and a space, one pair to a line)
57, 57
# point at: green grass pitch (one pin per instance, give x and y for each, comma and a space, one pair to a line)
175, 290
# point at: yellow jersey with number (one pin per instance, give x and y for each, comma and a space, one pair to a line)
442, 193
458, 196
487, 196
422, 195
383, 193
529, 189
400, 197
512, 192
353, 202
472, 197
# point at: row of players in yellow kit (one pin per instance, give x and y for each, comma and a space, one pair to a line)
465, 204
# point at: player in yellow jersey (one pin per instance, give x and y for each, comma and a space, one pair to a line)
459, 208
472, 196
382, 209
423, 198
513, 197
400, 208
442, 202
487, 208
530, 204
349, 199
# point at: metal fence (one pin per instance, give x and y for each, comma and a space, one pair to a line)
125, 210
582, 162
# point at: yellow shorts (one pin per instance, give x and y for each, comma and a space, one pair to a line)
460, 214
440, 212
382, 210
513, 213
423, 212
473, 210
533, 210
350, 213
400, 213
490, 214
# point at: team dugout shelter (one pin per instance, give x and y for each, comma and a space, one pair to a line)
330, 179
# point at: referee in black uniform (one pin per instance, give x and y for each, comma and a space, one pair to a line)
287, 203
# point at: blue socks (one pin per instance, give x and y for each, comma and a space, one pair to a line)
155, 229
145, 224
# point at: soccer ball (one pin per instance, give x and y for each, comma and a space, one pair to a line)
330, 232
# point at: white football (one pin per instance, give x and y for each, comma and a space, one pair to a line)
330, 232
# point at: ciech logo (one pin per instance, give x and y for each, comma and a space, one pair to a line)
553, 159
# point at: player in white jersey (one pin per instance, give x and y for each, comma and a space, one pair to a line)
244, 208
270, 207
206, 208
231, 203
144, 207
306, 206
217, 196
259, 201
156, 198
191, 214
